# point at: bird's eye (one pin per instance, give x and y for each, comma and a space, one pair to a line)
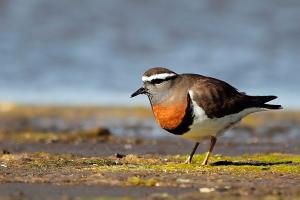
157, 81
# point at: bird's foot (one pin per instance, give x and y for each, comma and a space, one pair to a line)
204, 163
188, 160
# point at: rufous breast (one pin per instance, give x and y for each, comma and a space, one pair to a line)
169, 115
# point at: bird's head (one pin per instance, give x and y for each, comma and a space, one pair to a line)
157, 82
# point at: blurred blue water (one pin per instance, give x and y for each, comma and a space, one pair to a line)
73, 51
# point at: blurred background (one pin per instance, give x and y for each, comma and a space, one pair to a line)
94, 52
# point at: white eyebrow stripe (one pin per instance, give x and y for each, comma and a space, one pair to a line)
157, 76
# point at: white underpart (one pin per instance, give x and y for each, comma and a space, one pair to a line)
204, 127
157, 76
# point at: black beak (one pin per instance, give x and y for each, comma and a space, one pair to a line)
138, 92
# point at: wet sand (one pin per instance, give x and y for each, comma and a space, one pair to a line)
100, 133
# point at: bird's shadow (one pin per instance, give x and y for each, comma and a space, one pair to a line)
248, 163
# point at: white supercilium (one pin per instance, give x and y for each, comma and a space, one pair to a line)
157, 76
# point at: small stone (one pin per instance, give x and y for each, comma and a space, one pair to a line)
227, 187
181, 180
118, 155
160, 196
206, 190
103, 132
4, 151
128, 146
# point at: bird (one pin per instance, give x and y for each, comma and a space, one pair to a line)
197, 107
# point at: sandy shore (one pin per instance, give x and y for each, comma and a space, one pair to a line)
43, 149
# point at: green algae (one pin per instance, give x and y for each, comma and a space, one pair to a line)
256, 163
246, 164
139, 181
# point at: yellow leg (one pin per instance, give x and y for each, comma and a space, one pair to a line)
213, 141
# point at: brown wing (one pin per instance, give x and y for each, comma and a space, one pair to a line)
217, 98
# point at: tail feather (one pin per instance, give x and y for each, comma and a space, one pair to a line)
261, 101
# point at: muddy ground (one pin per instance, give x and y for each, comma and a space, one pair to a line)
112, 153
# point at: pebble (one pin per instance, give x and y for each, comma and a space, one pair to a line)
206, 190
118, 155
128, 146
180, 180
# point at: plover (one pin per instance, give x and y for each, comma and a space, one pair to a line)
197, 107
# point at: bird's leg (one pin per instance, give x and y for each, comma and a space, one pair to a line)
213, 141
189, 159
